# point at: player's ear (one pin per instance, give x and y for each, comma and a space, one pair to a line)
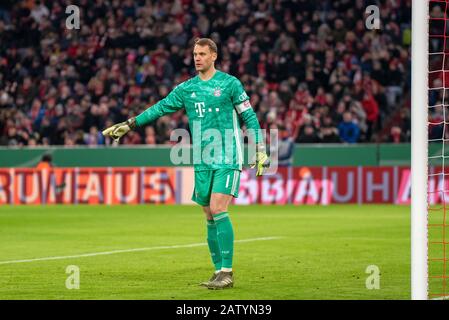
214, 56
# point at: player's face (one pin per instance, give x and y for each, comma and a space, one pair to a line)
203, 57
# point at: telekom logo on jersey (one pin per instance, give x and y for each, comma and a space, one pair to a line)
200, 108
214, 146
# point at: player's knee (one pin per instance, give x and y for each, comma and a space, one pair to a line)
207, 212
216, 209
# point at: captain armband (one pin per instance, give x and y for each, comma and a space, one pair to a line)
245, 105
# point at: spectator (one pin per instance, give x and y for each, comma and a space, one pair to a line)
329, 135
94, 137
39, 12
405, 123
395, 82
348, 130
292, 57
150, 136
285, 147
396, 135
309, 135
133, 138
372, 113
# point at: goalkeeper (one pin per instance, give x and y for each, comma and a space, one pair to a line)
213, 100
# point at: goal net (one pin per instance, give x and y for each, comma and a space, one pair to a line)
438, 136
430, 68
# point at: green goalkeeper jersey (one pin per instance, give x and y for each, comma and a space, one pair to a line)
215, 109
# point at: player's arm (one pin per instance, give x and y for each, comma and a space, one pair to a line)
171, 103
243, 107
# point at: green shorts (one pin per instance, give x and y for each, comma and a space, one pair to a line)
225, 181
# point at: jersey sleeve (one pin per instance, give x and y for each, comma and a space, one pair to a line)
171, 103
239, 97
241, 103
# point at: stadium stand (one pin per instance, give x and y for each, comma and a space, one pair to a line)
310, 66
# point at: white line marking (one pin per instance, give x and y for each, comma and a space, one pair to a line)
131, 250
441, 298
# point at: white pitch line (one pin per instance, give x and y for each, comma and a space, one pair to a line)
130, 250
441, 298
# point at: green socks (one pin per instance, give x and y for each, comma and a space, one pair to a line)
225, 236
212, 241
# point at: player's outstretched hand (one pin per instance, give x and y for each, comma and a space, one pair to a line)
261, 162
120, 129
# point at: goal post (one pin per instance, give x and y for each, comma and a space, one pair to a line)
419, 156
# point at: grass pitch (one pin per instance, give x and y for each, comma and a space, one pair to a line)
323, 252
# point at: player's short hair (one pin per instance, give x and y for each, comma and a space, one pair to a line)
207, 42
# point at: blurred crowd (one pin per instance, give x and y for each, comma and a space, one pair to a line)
312, 68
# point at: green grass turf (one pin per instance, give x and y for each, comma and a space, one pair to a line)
323, 252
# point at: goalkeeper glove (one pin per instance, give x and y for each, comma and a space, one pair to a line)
261, 162
120, 129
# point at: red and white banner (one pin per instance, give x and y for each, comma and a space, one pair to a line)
170, 185
88, 186
326, 185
